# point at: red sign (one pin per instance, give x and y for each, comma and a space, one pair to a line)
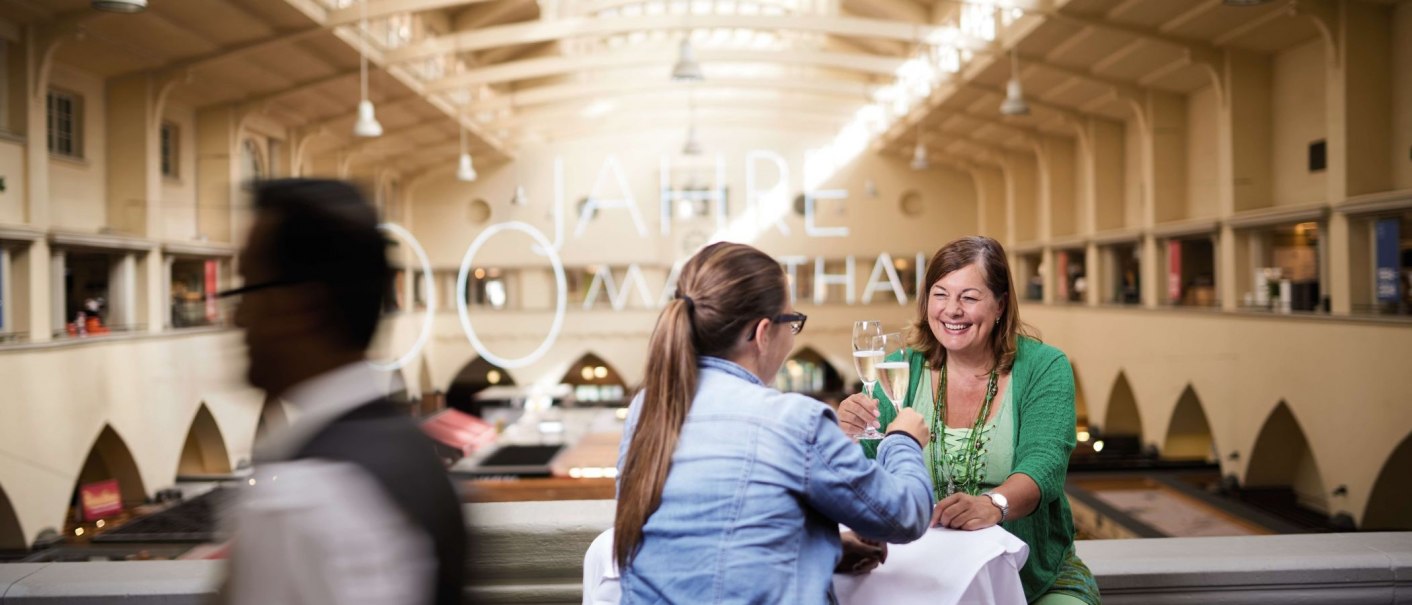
460, 430
1174, 271
212, 309
101, 499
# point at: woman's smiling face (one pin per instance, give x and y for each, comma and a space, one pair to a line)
962, 311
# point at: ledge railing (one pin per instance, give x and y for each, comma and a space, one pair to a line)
532, 552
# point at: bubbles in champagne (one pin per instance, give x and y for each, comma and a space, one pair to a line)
866, 362
895, 375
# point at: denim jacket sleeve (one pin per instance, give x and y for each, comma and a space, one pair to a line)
890, 499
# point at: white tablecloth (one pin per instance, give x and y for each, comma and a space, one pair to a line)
946, 566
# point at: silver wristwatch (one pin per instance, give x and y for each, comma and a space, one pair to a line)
1000, 502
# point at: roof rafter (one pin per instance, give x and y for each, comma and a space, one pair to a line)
237, 51
555, 66
655, 105
298, 87
630, 86
570, 27
378, 9
772, 120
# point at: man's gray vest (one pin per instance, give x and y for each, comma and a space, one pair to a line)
388, 446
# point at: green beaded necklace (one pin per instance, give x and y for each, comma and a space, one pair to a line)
970, 478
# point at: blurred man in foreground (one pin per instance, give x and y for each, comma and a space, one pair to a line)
350, 504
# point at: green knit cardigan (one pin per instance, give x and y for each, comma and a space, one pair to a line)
1042, 383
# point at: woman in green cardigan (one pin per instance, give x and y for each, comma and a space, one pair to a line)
1004, 402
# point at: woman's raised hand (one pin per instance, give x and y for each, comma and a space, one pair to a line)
857, 413
912, 423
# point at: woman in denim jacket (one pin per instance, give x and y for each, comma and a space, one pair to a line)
730, 491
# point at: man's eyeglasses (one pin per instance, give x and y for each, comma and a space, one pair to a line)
795, 321
248, 288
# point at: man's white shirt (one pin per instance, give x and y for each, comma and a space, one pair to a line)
322, 532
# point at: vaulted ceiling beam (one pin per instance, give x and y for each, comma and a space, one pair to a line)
378, 9
570, 27
557, 66
619, 87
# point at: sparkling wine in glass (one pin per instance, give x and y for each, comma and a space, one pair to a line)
866, 359
896, 374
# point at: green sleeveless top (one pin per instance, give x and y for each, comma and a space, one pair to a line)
997, 441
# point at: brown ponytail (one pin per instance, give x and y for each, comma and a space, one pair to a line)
724, 289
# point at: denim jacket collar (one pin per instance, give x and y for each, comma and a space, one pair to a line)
729, 367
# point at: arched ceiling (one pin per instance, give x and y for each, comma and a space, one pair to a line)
513, 71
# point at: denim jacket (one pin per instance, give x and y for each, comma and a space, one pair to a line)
759, 482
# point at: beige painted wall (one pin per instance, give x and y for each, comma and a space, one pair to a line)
14, 101
178, 205
1402, 96
1203, 170
1241, 367
1133, 180
1023, 186
12, 168
78, 189
1298, 106
58, 398
1065, 187
1109, 176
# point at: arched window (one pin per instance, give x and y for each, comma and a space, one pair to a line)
1189, 432
1120, 434
1282, 468
109, 485
11, 536
204, 452
476, 376
808, 372
595, 381
1387, 506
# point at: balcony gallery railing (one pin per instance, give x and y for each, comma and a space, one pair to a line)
533, 552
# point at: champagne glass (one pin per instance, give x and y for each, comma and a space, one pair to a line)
865, 360
894, 372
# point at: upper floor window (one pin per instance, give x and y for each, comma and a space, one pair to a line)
65, 122
171, 149
1071, 281
1283, 266
487, 288
88, 280
1191, 271
1030, 275
194, 282
1122, 273
1382, 276
4, 292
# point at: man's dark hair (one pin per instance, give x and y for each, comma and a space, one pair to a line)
326, 232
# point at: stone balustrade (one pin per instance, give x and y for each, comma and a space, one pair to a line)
532, 552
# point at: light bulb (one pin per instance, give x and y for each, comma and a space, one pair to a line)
367, 125
465, 172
